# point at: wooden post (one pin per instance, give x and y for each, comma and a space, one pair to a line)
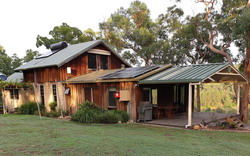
38, 107
58, 97
238, 99
189, 105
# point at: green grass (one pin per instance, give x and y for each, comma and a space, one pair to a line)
28, 135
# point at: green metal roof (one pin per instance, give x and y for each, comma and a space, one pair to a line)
193, 74
65, 55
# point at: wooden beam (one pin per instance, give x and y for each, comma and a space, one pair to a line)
238, 99
234, 74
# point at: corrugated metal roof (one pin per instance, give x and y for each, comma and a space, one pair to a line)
129, 72
65, 55
185, 74
15, 77
91, 77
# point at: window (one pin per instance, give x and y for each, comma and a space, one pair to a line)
92, 61
14, 94
111, 98
146, 94
104, 61
88, 94
42, 94
154, 96
176, 94
54, 92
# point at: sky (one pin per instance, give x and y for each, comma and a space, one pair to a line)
22, 20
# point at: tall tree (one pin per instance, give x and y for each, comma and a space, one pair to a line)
5, 62
242, 36
144, 39
64, 32
15, 61
30, 55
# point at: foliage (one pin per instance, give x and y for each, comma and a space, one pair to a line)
53, 106
123, 116
108, 117
90, 113
30, 55
5, 62
6, 84
133, 29
16, 61
29, 108
64, 32
90, 105
85, 116
217, 96
52, 114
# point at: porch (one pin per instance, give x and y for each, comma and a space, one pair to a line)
175, 88
180, 120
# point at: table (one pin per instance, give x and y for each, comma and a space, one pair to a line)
167, 111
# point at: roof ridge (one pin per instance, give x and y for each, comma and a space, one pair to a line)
208, 64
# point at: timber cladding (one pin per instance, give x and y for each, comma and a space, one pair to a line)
100, 96
79, 66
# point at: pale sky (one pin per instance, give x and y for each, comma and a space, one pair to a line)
22, 20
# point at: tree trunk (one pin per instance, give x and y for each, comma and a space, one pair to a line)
244, 104
198, 98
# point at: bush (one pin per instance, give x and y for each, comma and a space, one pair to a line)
52, 114
90, 105
53, 106
29, 108
108, 117
85, 116
220, 110
123, 116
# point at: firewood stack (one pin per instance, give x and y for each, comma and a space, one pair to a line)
232, 122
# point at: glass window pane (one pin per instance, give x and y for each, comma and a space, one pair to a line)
104, 62
92, 61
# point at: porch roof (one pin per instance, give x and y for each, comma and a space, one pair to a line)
207, 73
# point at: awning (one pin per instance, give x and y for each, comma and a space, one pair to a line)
207, 73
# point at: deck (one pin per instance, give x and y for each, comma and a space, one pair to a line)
181, 120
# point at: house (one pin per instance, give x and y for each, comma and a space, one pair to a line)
71, 74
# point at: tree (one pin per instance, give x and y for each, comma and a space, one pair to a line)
144, 39
30, 55
242, 36
226, 23
64, 32
16, 61
5, 62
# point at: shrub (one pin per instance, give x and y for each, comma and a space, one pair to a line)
85, 116
29, 108
108, 117
123, 116
53, 106
208, 109
220, 110
52, 114
91, 106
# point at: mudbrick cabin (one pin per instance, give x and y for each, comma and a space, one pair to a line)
72, 74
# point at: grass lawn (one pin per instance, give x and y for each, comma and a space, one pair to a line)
28, 135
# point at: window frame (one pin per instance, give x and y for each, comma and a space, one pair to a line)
94, 63
149, 94
41, 89
54, 92
102, 64
112, 89
14, 94
91, 94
